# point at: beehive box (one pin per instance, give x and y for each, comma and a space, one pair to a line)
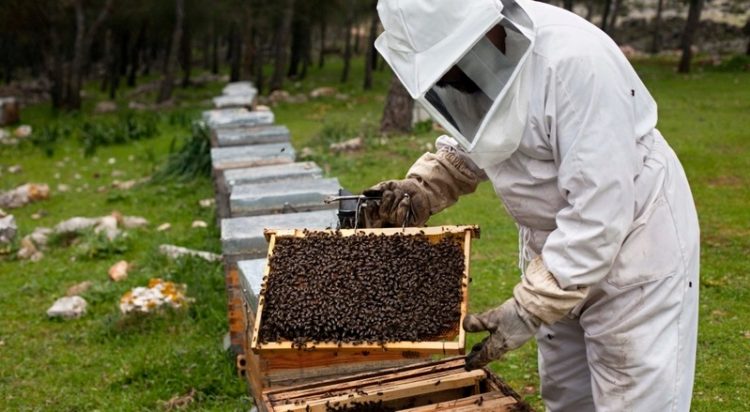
429, 386
449, 341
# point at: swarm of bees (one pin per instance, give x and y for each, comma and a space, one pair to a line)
326, 287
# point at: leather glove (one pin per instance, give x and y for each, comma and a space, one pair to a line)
402, 203
537, 299
510, 326
434, 182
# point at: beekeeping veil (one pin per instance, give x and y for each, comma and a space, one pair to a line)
426, 39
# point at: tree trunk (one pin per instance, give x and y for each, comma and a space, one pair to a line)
186, 55
235, 53
167, 83
215, 49
656, 40
81, 49
568, 5
135, 56
348, 41
615, 14
108, 61
282, 40
589, 10
323, 29
259, 62
605, 15
691, 27
399, 107
371, 46
746, 30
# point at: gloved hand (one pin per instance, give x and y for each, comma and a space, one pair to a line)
434, 182
537, 298
403, 202
510, 326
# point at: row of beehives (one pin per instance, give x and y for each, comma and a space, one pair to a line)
259, 186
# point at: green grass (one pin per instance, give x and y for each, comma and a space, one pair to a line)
106, 362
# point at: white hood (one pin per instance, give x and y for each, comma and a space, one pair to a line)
424, 39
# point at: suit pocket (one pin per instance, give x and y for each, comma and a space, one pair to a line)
651, 250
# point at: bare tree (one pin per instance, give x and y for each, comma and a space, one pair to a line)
282, 40
370, 61
167, 83
349, 26
688, 35
605, 15
656, 40
81, 50
398, 112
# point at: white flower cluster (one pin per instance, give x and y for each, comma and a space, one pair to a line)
158, 294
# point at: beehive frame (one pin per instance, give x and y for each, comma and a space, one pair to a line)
457, 341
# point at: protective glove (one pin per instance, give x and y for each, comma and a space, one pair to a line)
537, 298
434, 182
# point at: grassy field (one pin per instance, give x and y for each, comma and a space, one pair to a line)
105, 361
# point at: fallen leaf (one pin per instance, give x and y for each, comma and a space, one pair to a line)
180, 401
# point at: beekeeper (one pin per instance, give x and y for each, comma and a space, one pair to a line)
545, 106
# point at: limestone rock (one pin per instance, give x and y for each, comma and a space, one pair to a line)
351, 145
199, 224
24, 194
29, 251
164, 227
75, 225
8, 229
69, 307
323, 92
206, 203
22, 132
157, 295
119, 271
176, 252
134, 222
15, 169
79, 289
105, 107
108, 226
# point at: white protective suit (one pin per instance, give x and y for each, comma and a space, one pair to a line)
596, 192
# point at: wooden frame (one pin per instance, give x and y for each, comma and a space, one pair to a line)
428, 386
452, 344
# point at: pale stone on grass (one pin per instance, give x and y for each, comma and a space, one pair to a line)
23, 131
23, 195
206, 203
199, 224
29, 251
79, 288
69, 307
176, 252
164, 227
134, 222
351, 145
15, 169
119, 271
8, 229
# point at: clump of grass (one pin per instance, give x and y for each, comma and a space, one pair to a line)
48, 136
128, 128
192, 160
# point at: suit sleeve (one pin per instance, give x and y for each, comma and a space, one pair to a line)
592, 129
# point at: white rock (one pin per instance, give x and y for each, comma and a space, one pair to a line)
79, 289
40, 236
163, 227
62, 188
350, 145
111, 160
23, 131
69, 307
175, 252
8, 229
199, 224
323, 92
119, 271
15, 169
134, 222
76, 224
22, 195
206, 203
108, 226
